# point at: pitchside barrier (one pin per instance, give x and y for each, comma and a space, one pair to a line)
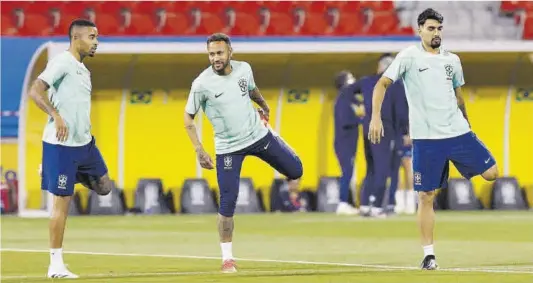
196, 197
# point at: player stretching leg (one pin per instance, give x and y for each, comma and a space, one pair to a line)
439, 128
70, 154
225, 92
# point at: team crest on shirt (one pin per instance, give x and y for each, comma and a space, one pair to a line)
418, 178
243, 84
449, 71
228, 161
62, 182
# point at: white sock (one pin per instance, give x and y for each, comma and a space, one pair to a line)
428, 250
227, 252
56, 257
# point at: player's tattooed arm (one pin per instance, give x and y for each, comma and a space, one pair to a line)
38, 94
461, 102
256, 96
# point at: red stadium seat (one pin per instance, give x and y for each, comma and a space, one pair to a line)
377, 5
511, 6
384, 23
528, 27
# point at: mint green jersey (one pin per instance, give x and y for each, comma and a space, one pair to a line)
429, 81
226, 102
70, 94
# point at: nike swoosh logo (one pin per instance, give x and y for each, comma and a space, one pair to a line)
421, 70
217, 95
487, 161
266, 146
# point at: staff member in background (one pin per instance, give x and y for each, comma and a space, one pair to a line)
379, 157
404, 198
348, 113
396, 199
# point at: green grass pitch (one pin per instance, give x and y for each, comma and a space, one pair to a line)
483, 246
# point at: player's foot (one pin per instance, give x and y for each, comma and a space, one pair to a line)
410, 202
229, 266
60, 272
399, 197
346, 209
429, 263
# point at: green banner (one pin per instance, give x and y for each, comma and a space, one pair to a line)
298, 96
141, 97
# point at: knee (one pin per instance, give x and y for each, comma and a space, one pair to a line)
297, 171
103, 189
228, 202
426, 197
491, 174
104, 186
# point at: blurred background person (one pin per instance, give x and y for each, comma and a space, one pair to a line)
348, 112
381, 161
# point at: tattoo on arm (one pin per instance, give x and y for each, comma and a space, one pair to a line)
461, 103
256, 96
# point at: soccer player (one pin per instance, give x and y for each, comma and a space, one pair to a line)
70, 154
438, 124
225, 92
347, 115
380, 158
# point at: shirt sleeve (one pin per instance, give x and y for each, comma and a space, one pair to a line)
398, 67
458, 76
195, 100
251, 81
55, 71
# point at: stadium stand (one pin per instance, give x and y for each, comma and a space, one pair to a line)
480, 19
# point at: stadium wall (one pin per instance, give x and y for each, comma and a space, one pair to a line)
142, 136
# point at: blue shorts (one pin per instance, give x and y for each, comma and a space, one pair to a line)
271, 149
65, 166
406, 151
430, 160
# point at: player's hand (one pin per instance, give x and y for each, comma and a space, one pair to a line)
205, 160
264, 113
406, 140
376, 130
61, 128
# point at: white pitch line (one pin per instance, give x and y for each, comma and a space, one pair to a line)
254, 272
372, 266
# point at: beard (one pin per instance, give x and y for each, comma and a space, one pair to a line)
221, 68
435, 42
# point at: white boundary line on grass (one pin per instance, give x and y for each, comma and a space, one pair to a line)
241, 272
371, 266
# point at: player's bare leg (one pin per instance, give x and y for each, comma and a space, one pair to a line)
491, 174
101, 186
58, 220
426, 222
225, 232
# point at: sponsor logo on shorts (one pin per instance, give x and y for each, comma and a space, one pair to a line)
418, 178
62, 182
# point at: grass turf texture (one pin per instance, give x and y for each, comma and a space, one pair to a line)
483, 246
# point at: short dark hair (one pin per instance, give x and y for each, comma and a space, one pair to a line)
219, 37
340, 78
429, 14
79, 23
385, 55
